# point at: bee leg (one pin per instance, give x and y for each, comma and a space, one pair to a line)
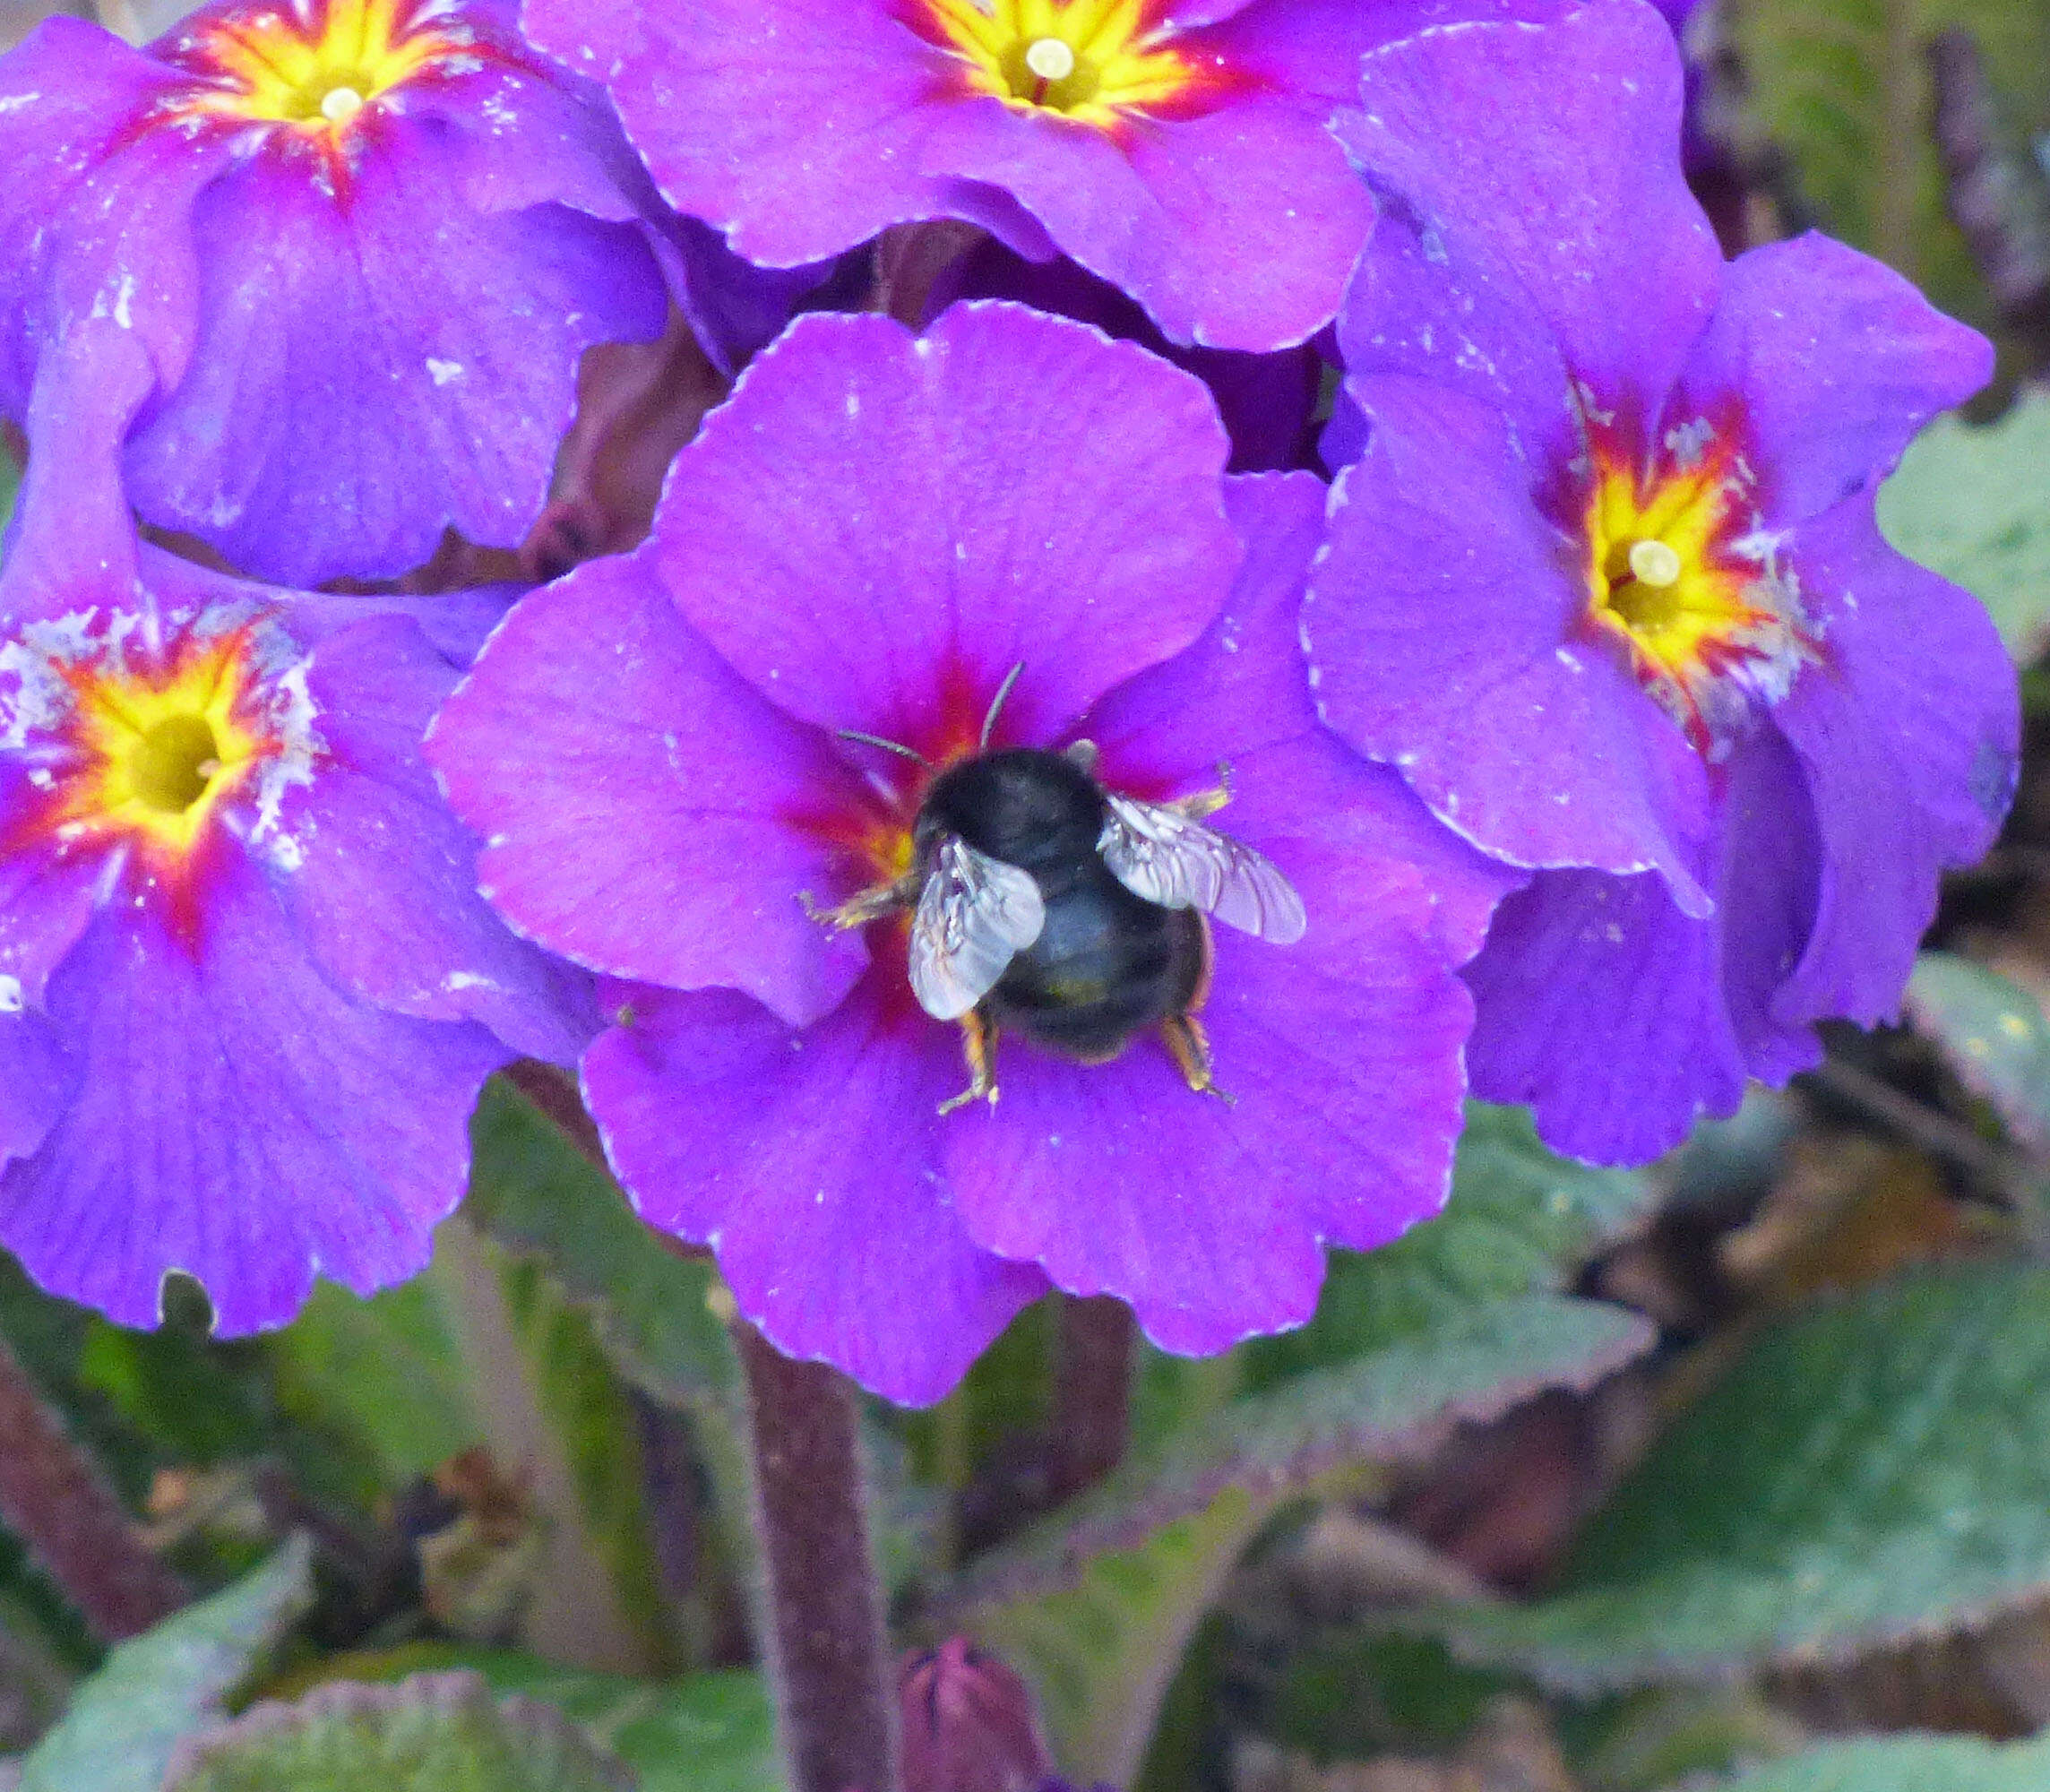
870, 905
1190, 1046
1206, 802
978, 1047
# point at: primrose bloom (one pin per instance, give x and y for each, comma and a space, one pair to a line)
1176, 148
247, 992
1016, 609
1607, 588
365, 241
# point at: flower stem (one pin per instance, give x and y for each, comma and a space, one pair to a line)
825, 1647
1092, 1396
54, 1498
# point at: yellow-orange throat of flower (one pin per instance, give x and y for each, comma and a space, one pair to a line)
316, 63
1678, 571
156, 746
1092, 60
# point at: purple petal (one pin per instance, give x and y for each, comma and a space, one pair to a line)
1836, 362
1242, 691
1619, 1020
877, 527
648, 829
783, 127
239, 1119
1909, 731
1553, 225
1257, 262
1342, 1051
1446, 636
35, 1082
460, 378
383, 881
67, 92
810, 1162
1341, 1055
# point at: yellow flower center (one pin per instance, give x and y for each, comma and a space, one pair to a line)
1093, 61
159, 745
317, 69
1676, 572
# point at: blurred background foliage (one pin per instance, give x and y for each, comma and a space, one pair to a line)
1732, 1474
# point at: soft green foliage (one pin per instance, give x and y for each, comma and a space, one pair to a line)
707, 1732
1994, 1035
384, 1371
1873, 1469
1843, 86
1098, 1604
1519, 1220
127, 1720
536, 1193
1974, 504
1905, 1765
438, 1732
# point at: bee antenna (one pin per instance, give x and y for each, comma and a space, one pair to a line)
897, 747
996, 703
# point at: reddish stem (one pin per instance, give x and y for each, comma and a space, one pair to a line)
54, 1498
1092, 1399
824, 1644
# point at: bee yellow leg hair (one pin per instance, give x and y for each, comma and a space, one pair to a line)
871, 905
1206, 802
1190, 1046
978, 1047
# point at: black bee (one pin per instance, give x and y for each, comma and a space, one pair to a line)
1048, 903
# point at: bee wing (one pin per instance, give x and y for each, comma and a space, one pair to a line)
975, 914
1160, 854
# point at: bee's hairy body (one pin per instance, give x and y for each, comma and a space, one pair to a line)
1107, 964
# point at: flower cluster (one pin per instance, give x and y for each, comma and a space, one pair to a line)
1030, 815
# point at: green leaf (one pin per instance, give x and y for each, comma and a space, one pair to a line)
127, 1720
1874, 1470
1843, 86
1901, 1764
1099, 1603
1991, 1033
707, 1732
1974, 505
1519, 1220
534, 1191
434, 1733
385, 1373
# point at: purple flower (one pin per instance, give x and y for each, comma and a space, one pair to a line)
366, 242
248, 991
1267, 402
871, 536
1606, 585
1176, 148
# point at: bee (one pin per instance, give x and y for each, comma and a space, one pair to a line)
1045, 903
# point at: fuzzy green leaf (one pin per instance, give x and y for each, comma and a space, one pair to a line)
1994, 1036
434, 1733
1099, 1603
1901, 1764
538, 1194
1875, 1470
706, 1733
1519, 1220
1974, 505
127, 1720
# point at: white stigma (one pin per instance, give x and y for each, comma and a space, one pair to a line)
339, 105
1050, 59
1656, 565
